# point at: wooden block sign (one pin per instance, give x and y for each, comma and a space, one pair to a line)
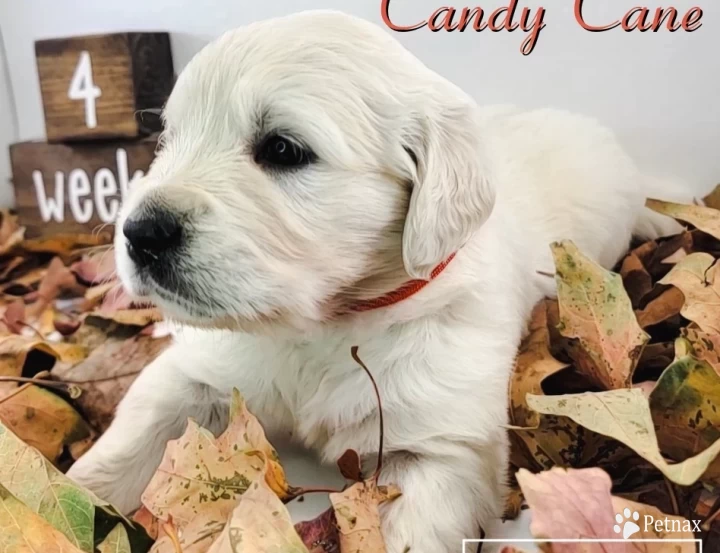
71, 188
95, 86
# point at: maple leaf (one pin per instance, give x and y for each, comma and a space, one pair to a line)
595, 310
201, 478
259, 523
358, 515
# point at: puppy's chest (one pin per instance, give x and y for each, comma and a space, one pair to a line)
306, 388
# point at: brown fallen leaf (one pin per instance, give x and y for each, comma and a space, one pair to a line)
97, 268
706, 219
132, 317
259, 523
201, 478
666, 305
320, 535
114, 359
11, 233
21, 356
636, 280
713, 199
533, 364
684, 406
358, 515
64, 245
596, 312
624, 415
560, 441
22, 531
694, 276
58, 280
42, 420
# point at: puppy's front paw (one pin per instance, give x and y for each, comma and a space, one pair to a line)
108, 481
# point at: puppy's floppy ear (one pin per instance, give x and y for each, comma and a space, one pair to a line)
452, 195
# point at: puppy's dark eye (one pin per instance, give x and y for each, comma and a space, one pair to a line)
279, 151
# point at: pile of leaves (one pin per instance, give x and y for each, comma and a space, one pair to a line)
622, 373
613, 405
71, 343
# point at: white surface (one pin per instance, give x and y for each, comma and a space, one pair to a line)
658, 90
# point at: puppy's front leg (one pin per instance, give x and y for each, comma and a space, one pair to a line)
446, 497
119, 466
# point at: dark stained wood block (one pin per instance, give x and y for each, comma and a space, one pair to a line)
76, 187
94, 86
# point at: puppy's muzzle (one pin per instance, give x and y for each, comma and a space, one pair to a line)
151, 235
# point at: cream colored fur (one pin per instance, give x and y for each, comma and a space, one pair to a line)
275, 255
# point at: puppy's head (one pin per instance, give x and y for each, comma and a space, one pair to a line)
307, 161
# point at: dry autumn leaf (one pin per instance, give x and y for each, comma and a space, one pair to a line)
666, 305
533, 364
70, 509
576, 504
320, 535
64, 244
19, 352
694, 276
636, 280
201, 478
713, 199
358, 515
684, 406
706, 219
117, 541
571, 504
109, 369
595, 310
22, 531
131, 317
624, 415
260, 523
42, 420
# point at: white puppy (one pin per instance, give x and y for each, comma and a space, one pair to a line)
310, 169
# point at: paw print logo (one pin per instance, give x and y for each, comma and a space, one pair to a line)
630, 527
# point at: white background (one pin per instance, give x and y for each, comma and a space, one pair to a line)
659, 91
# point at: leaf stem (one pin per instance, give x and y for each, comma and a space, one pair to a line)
356, 357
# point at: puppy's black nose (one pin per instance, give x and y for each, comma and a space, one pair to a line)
151, 234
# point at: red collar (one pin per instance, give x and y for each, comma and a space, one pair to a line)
408, 289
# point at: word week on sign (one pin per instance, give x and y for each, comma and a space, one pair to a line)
75, 187
103, 186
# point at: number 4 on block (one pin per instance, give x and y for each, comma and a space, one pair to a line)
94, 86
